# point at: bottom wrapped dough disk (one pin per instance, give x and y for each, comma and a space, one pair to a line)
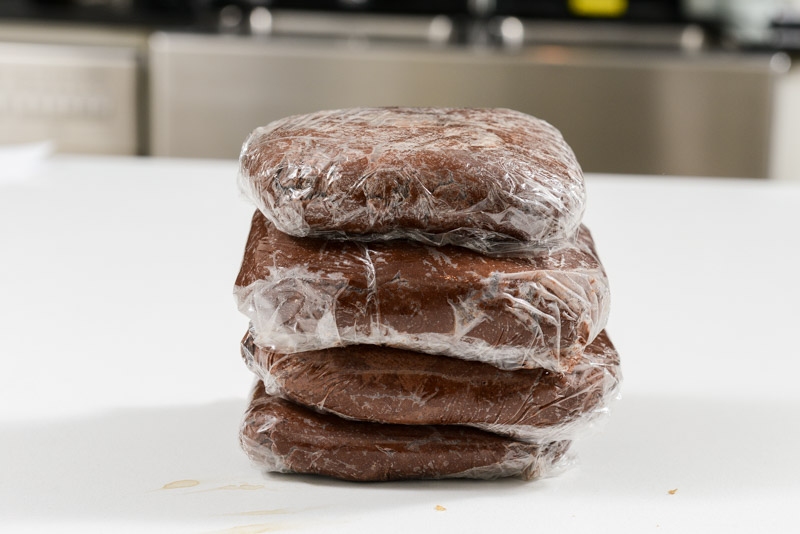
285, 437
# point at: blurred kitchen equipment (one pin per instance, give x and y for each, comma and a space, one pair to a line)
82, 98
771, 24
652, 113
638, 86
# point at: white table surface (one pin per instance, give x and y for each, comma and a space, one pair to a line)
120, 372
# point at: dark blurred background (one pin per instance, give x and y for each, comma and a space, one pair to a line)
690, 87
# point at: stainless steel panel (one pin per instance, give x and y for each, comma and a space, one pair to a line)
359, 25
784, 153
629, 112
513, 32
82, 98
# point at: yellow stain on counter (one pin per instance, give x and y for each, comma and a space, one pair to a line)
181, 484
440, 508
246, 487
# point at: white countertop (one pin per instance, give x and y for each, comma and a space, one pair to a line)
120, 372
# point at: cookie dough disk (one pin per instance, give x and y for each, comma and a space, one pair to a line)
537, 310
381, 384
285, 437
494, 180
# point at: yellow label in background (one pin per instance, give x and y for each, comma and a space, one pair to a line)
598, 8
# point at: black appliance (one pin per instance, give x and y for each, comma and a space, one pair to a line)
187, 11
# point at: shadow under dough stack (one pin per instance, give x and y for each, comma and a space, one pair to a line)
423, 299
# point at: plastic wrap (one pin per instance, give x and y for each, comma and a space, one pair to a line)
537, 310
284, 437
493, 180
385, 385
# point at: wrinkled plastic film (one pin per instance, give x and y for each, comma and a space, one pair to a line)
386, 347
492, 180
394, 386
537, 310
283, 437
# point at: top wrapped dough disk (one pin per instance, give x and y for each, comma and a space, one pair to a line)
493, 180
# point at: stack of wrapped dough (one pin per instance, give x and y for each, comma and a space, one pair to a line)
423, 299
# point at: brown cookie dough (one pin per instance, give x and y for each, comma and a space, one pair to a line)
385, 385
285, 437
492, 180
536, 310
